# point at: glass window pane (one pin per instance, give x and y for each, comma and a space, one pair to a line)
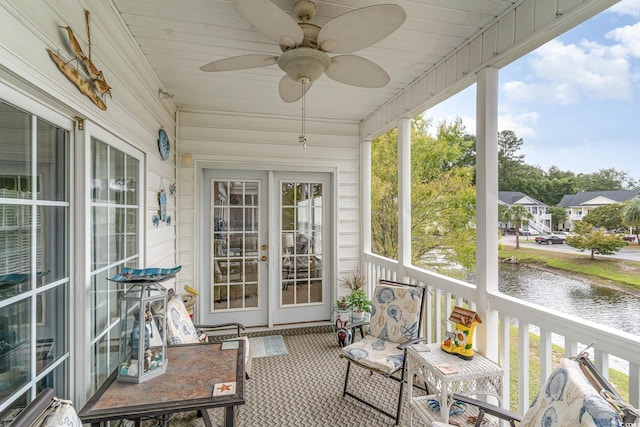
52, 244
301, 250
51, 336
236, 296
100, 298
15, 152
221, 192
99, 171
220, 297
131, 232
15, 347
117, 248
131, 182
117, 177
52, 162
100, 237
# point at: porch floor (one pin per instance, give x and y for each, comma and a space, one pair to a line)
304, 388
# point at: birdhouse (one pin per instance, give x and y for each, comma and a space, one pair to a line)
464, 316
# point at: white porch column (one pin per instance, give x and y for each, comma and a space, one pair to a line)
404, 196
487, 208
365, 206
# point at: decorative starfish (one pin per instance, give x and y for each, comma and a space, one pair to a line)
225, 387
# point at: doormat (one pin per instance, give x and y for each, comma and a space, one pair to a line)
272, 345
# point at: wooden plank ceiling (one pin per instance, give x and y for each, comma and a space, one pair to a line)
178, 37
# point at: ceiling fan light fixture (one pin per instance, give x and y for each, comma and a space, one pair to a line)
304, 64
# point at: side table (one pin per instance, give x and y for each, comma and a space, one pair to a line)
479, 376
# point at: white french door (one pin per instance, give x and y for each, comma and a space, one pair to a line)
235, 247
303, 201
265, 251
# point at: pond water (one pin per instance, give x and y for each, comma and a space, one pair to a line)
576, 297
579, 298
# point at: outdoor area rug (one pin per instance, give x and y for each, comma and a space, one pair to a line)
271, 345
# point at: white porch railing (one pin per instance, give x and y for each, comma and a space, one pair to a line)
572, 333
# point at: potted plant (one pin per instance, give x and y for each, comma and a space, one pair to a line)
342, 303
353, 281
360, 304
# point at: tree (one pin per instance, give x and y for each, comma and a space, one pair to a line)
517, 215
442, 197
558, 215
508, 159
594, 239
608, 217
631, 216
605, 179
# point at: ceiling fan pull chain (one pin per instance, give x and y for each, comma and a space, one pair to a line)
303, 137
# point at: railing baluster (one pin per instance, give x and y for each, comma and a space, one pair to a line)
523, 366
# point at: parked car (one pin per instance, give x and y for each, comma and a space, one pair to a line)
559, 233
549, 239
629, 238
528, 232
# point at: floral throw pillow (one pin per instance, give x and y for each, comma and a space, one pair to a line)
180, 329
568, 399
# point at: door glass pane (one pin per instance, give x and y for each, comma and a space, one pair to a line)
234, 243
114, 245
301, 243
34, 251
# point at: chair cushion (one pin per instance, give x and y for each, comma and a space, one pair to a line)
395, 312
180, 329
568, 399
375, 353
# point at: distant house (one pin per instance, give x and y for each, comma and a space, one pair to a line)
580, 204
541, 221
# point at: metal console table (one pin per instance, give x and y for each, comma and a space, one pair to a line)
479, 376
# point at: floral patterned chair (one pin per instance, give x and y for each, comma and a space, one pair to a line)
394, 325
575, 394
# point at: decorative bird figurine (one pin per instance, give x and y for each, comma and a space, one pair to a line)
75, 46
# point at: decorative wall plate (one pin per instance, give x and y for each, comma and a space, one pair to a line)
164, 146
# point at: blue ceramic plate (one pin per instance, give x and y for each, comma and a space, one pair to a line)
137, 275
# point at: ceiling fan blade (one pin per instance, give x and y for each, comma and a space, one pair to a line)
360, 28
241, 62
357, 71
271, 21
291, 90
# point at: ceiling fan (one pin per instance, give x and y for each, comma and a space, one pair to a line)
306, 46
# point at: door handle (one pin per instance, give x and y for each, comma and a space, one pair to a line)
263, 258
264, 247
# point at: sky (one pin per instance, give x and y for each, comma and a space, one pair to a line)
574, 101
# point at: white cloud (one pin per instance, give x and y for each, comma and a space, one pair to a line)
521, 124
566, 73
627, 7
628, 37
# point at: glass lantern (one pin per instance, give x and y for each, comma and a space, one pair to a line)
143, 344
